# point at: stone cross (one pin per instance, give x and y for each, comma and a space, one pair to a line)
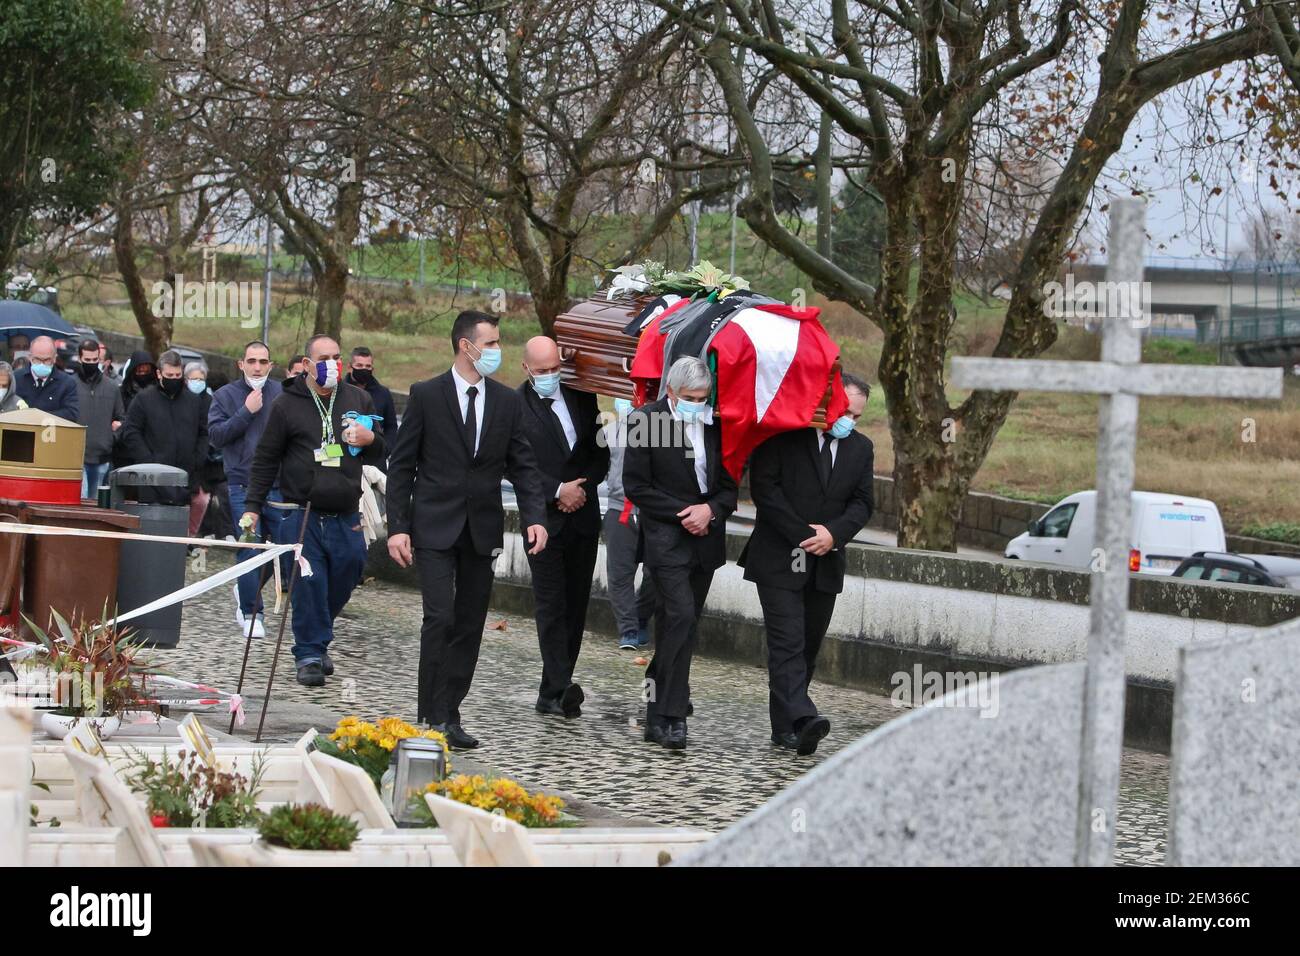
1119, 378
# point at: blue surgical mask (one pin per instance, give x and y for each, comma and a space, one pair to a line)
689, 411
546, 384
488, 361
197, 386
622, 406
843, 427
42, 371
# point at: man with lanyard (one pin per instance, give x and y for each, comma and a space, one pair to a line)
316, 445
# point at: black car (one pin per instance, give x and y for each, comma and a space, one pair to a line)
1267, 570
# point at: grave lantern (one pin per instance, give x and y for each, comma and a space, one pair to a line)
416, 763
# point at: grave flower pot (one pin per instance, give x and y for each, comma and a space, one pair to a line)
59, 726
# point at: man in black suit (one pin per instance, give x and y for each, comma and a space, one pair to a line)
812, 494
562, 428
461, 433
673, 473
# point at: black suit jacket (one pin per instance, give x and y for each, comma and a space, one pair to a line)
589, 458
789, 497
435, 486
659, 478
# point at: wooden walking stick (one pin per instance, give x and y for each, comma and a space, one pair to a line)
288, 608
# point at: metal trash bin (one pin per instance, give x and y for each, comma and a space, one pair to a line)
150, 571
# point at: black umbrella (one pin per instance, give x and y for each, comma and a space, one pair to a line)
31, 320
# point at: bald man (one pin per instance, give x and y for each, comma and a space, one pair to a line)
46, 387
563, 424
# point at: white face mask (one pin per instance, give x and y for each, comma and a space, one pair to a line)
3, 392
255, 383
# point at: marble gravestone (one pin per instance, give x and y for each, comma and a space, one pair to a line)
946, 784
1234, 784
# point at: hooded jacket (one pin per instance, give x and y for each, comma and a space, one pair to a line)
288, 445
99, 404
130, 389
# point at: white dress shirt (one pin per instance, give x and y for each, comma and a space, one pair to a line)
695, 435
462, 396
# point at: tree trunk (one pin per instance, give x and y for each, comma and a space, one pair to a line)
156, 328
331, 291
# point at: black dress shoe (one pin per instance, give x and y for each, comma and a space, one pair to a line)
786, 741
811, 734
571, 701
457, 739
327, 665
676, 738
310, 674
656, 734
549, 707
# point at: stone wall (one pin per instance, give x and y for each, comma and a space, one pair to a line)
948, 612
986, 521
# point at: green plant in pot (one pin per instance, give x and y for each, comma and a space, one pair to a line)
189, 793
307, 826
95, 674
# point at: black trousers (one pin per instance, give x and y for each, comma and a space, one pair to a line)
681, 591
455, 584
796, 623
562, 578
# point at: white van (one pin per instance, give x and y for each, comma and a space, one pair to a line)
1164, 530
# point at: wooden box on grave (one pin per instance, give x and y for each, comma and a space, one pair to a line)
598, 354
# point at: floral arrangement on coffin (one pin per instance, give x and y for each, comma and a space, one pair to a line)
307, 826
370, 746
190, 793
497, 795
654, 278
94, 674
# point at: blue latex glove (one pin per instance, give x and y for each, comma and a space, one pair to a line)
365, 421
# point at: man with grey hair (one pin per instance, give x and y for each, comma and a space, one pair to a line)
168, 425
673, 473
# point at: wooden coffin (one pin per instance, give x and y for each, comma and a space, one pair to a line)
597, 353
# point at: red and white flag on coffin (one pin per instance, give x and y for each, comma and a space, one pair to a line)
773, 365
773, 362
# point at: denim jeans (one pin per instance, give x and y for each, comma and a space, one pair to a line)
336, 550
268, 528
92, 476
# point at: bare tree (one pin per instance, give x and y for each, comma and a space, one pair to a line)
922, 90
300, 98
546, 115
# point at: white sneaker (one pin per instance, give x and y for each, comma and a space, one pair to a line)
259, 630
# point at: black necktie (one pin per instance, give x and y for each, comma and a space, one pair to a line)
471, 419
824, 459
557, 424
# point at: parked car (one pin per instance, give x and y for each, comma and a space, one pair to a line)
1164, 530
1227, 567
